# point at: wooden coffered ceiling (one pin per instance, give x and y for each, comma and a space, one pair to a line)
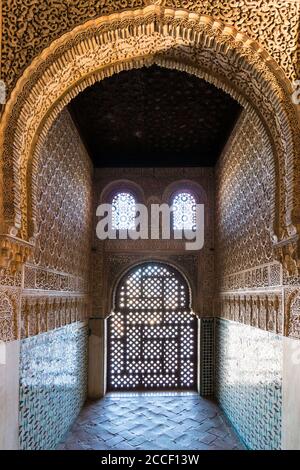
154, 117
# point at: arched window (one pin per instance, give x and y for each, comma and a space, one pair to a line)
184, 211
123, 211
152, 335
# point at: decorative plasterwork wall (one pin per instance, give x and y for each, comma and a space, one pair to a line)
257, 309
252, 286
29, 27
200, 45
292, 307
51, 290
111, 258
171, 38
63, 181
245, 199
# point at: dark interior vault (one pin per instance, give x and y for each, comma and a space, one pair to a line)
154, 117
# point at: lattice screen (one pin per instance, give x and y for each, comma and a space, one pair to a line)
152, 335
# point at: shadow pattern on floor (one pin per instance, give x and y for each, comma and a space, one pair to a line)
154, 421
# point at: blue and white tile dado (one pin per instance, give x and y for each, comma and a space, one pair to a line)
53, 384
248, 382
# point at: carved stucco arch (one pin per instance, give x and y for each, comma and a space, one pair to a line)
171, 38
291, 326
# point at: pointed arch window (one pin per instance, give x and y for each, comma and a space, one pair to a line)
123, 211
184, 211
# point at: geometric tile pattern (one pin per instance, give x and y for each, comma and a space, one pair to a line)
249, 382
207, 357
53, 385
151, 421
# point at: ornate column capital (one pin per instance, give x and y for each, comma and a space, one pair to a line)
287, 252
14, 252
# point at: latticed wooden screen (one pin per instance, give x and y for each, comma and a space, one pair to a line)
152, 335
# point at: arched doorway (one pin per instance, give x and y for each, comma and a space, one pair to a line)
152, 335
177, 39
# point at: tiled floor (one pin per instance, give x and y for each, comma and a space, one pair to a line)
151, 421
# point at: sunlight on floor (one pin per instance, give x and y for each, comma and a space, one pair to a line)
154, 421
